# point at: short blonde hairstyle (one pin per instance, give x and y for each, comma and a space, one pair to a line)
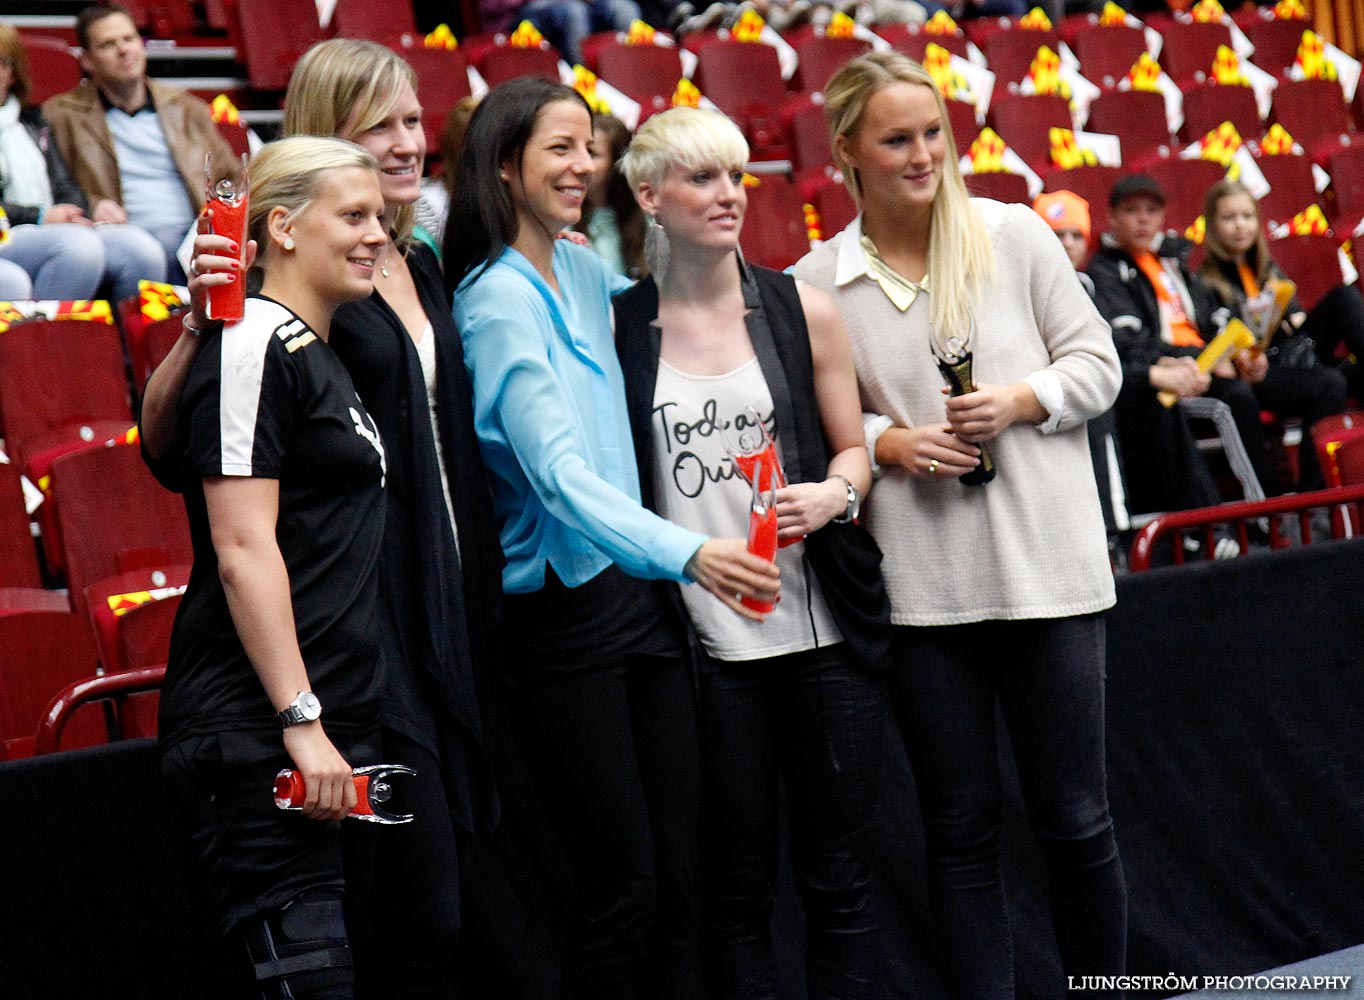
961, 259
286, 173
344, 79
687, 137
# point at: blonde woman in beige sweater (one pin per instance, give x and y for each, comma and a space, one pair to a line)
997, 589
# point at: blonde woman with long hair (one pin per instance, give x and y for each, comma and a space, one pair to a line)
997, 588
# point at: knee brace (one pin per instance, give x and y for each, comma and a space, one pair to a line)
299, 951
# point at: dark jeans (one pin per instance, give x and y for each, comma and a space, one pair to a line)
612, 748
813, 719
1308, 393
1163, 467
1240, 395
1047, 677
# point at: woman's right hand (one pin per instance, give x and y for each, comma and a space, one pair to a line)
327, 777
214, 262
1182, 376
931, 451
726, 568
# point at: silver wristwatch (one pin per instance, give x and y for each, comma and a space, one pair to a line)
854, 502
304, 708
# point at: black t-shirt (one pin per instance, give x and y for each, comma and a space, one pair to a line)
270, 399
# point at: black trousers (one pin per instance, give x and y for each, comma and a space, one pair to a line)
1307, 393
1164, 469
1047, 678
612, 750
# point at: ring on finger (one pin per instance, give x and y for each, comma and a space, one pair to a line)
194, 271
932, 466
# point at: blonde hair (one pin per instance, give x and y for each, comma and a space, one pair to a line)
687, 137
13, 46
348, 80
285, 174
961, 259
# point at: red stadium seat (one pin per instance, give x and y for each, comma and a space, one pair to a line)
1137, 118
1292, 187
744, 80
1010, 54
913, 40
115, 517
774, 233
161, 18
237, 136
158, 338
1025, 122
1314, 113
1311, 260
274, 34
640, 72
375, 21
1347, 187
1191, 48
52, 69
1094, 185
45, 650
1276, 43
1330, 434
442, 81
1350, 458
835, 206
999, 186
1186, 183
1208, 106
505, 62
962, 117
148, 642
18, 557
807, 135
820, 56
1108, 54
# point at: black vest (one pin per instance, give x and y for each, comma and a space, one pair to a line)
845, 559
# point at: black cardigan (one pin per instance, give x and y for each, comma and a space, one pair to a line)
844, 558
438, 622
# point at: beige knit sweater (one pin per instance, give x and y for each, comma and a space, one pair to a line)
1029, 544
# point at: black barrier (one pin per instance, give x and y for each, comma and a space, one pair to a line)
1237, 785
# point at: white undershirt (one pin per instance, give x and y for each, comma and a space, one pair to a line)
426, 353
698, 487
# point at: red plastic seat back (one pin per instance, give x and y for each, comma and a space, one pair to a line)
1010, 54
505, 62
44, 652
274, 34
18, 556
1137, 118
1093, 184
914, 41
1276, 43
375, 21
821, 56
1292, 187
1191, 49
1208, 106
52, 69
1025, 122
1312, 261
999, 186
774, 233
1108, 54
1186, 184
641, 72
1313, 111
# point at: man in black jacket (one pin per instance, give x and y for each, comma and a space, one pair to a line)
1162, 315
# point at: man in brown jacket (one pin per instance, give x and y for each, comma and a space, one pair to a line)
136, 147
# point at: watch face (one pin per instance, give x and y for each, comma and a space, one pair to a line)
309, 707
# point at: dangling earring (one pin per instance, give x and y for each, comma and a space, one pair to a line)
288, 243
383, 262
656, 250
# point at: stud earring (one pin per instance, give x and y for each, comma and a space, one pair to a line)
288, 243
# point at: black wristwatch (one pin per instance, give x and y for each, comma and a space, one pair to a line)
854, 502
304, 708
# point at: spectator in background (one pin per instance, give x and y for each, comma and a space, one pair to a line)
60, 251
612, 219
136, 147
565, 23
1293, 381
1162, 315
434, 204
1068, 216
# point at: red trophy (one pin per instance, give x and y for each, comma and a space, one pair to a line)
751, 448
372, 790
762, 529
226, 199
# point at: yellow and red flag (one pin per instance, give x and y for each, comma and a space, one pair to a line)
749, 27
1277, 141
1309, 222
987, 153
223, 111
840, 26
1197, 230
952, 84
940, 23
441, 38
1311, 58
1045, 74
585, 83
1068, 154
1290, 10
640, 33
1226, 68
1208, 12
1112, 16
686, 95
1145, 73
526, 36
1220, 145
752, 180
1035, 20
813, 224
156, 299
93, 310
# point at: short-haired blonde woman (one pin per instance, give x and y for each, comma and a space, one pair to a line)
440, 562
997, 590
275, 655
707, 343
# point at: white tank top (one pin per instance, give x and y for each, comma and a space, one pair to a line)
698, 487
426, 353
